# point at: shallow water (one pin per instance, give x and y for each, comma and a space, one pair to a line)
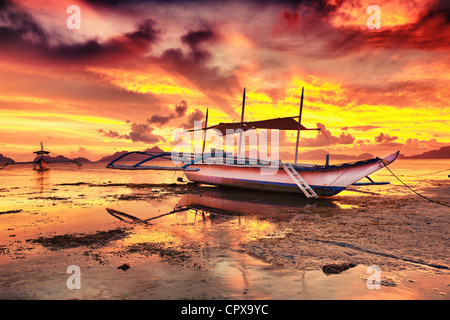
219, 244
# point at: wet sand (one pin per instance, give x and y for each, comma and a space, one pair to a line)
227, 244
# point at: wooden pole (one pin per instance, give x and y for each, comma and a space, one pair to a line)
242, 121
299, 125
204, 135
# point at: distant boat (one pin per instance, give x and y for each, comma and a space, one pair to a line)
40, 162
312, 180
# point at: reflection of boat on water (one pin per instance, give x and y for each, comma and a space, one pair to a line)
126, 217
230, 203
233, 202
40, 162
237, 171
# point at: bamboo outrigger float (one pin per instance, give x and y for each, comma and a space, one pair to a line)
312, 180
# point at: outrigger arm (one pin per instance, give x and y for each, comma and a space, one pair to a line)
371, 183
152, 156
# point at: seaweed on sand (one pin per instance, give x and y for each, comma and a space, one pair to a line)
172, 255
11, 211
66, 241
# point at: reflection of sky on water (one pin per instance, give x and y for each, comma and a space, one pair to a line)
66, 195
67, 200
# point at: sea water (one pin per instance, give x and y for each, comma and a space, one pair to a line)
209, 241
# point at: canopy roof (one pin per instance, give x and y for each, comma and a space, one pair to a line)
288, 123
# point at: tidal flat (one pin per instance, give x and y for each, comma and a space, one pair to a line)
146, 238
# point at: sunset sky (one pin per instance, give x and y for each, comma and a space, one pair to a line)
137, 70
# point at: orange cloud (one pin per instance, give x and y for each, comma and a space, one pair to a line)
132, 63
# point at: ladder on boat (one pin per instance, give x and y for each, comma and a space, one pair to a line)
297, 178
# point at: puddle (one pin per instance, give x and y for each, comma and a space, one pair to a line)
345, 205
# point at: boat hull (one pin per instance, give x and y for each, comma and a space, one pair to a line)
324, 180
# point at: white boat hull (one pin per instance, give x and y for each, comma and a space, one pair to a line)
324, 180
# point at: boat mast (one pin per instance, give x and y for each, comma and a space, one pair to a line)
242, 121
299, 125
204, 135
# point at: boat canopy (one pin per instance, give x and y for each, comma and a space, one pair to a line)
288, 123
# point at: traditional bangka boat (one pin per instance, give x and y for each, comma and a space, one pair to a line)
40, 162
312, 180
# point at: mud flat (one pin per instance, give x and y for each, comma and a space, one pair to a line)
225, 245
394, 235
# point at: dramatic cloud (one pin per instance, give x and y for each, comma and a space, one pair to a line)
143, 133
384, 138
180, 111
326, 138
140, 132
129, 45
113, 134
197, 115
20, 33
375, 89
194, 65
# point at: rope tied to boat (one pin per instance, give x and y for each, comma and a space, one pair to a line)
420, 195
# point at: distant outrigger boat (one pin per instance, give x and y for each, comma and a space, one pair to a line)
312, 180
40, 162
